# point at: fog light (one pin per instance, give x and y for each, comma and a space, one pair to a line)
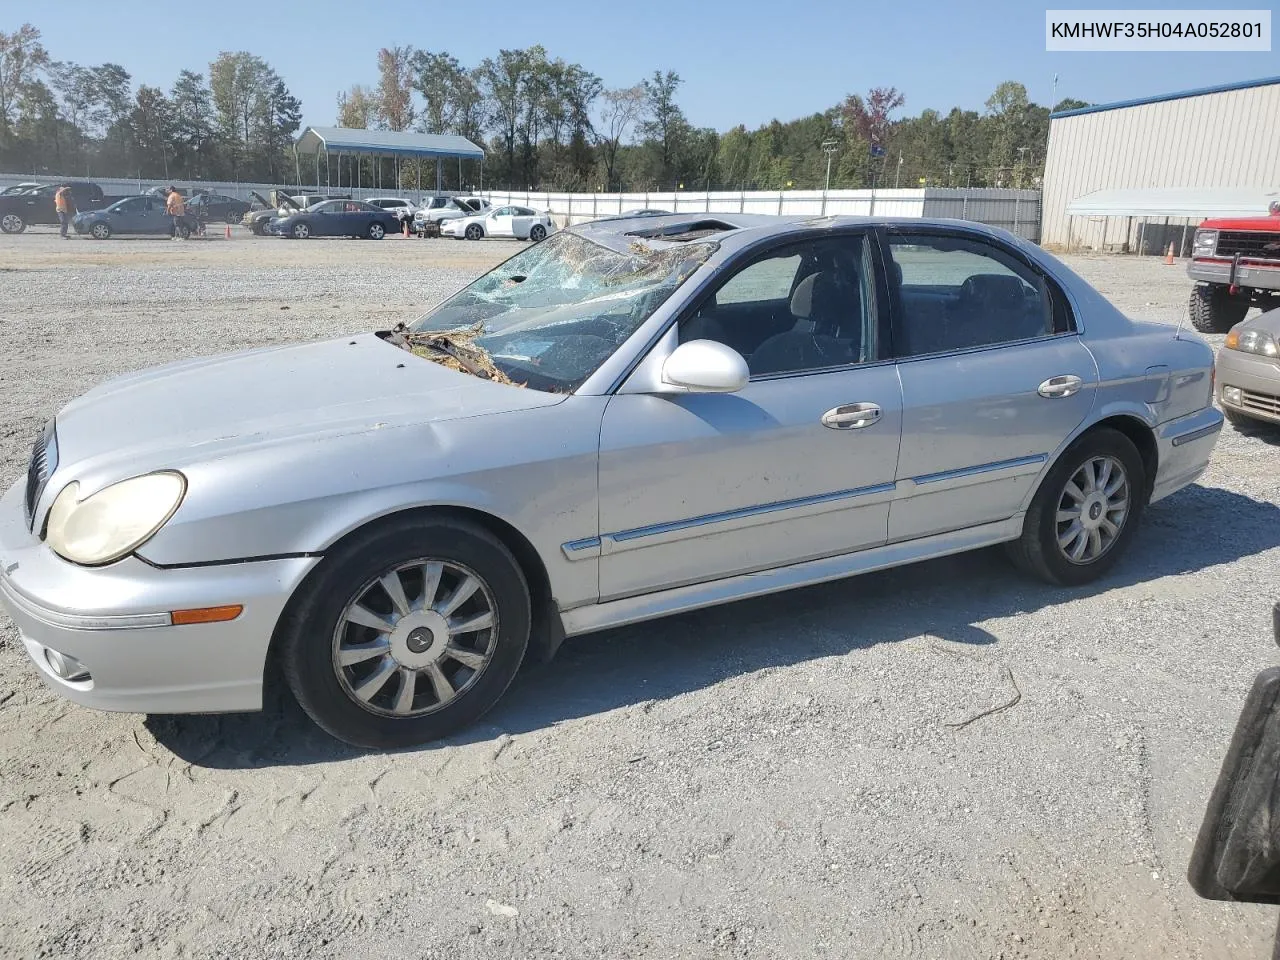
64, 666
1232, 395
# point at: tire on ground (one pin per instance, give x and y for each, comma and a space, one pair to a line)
1213, 310
306, 646
1037, 550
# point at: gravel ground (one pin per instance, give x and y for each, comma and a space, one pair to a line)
785, 777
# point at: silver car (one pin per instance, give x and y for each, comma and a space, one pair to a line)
1249, 370
627, 420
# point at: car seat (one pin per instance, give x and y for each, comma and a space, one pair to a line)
827, 330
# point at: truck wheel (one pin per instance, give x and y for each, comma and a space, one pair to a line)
1213, 310
12, 223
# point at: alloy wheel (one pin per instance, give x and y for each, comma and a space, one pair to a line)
101, 231
12, 223
1092, 509
416, 638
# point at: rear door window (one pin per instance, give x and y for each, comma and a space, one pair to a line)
957, 293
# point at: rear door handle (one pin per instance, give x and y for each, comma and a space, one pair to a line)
1060, 386
851, 416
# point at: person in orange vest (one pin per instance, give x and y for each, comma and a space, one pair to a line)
176, 208
66, 207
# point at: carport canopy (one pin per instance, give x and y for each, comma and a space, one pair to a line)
1190, 202
385, 144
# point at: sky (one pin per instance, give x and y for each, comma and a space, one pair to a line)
745, 62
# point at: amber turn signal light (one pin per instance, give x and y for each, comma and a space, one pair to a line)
206, 615
1233, 340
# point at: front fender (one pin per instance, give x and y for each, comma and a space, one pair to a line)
533, 469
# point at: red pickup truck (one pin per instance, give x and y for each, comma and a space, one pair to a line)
1236, 264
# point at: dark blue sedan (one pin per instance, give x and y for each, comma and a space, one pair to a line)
336, 218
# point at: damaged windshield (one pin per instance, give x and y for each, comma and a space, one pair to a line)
548, 317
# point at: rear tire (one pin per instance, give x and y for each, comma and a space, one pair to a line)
377, 231
538, 233
351, 677
1050, 537
1213, 310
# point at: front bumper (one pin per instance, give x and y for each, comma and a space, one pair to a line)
86, 613
1183, 448
1249, 275
1257, 378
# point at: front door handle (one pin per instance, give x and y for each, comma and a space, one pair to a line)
1060, 386
851, 416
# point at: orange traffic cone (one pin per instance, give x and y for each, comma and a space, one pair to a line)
405, 225
228, 233
1168, 256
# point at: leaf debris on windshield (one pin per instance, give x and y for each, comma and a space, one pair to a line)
455, 349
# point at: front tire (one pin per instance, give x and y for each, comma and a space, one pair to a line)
1213, 310
12, 223
474, 232
408, 632
100, 231
1086, 510
301, 231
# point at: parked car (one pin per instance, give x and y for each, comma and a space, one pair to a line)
440, 209
211, 207
402, 208
19, 188
1248, 379
522, 223
1236, 857
18, 211
143, 216
336, 218
278, 205
1235, 262
623, 422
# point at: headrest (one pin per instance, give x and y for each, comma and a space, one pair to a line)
895, 273
993, 288
810, 294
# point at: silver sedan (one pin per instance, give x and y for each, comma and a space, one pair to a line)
630, 419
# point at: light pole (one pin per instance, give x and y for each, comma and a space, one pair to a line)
830, 148
898, 174
1022, 164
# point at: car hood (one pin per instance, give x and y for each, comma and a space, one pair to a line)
1269, 321
202, 409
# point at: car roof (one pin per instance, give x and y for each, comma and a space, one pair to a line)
736, 230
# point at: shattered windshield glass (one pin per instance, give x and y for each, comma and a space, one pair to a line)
548, 317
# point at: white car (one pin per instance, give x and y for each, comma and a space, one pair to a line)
399, 206
522, 223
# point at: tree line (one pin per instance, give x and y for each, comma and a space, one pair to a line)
545, 124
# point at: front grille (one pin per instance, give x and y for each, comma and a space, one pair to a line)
44, 460
1249, 244
1260, 403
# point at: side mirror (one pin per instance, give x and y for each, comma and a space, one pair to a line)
705, 366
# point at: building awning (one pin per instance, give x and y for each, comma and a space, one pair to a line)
1175, 202
386, 143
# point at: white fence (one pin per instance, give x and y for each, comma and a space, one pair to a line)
1017, 211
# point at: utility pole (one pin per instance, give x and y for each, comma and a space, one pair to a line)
898, 174
830, 148
1022, 166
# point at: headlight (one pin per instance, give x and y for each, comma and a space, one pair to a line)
1206, 241
114, 521
1252, 341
